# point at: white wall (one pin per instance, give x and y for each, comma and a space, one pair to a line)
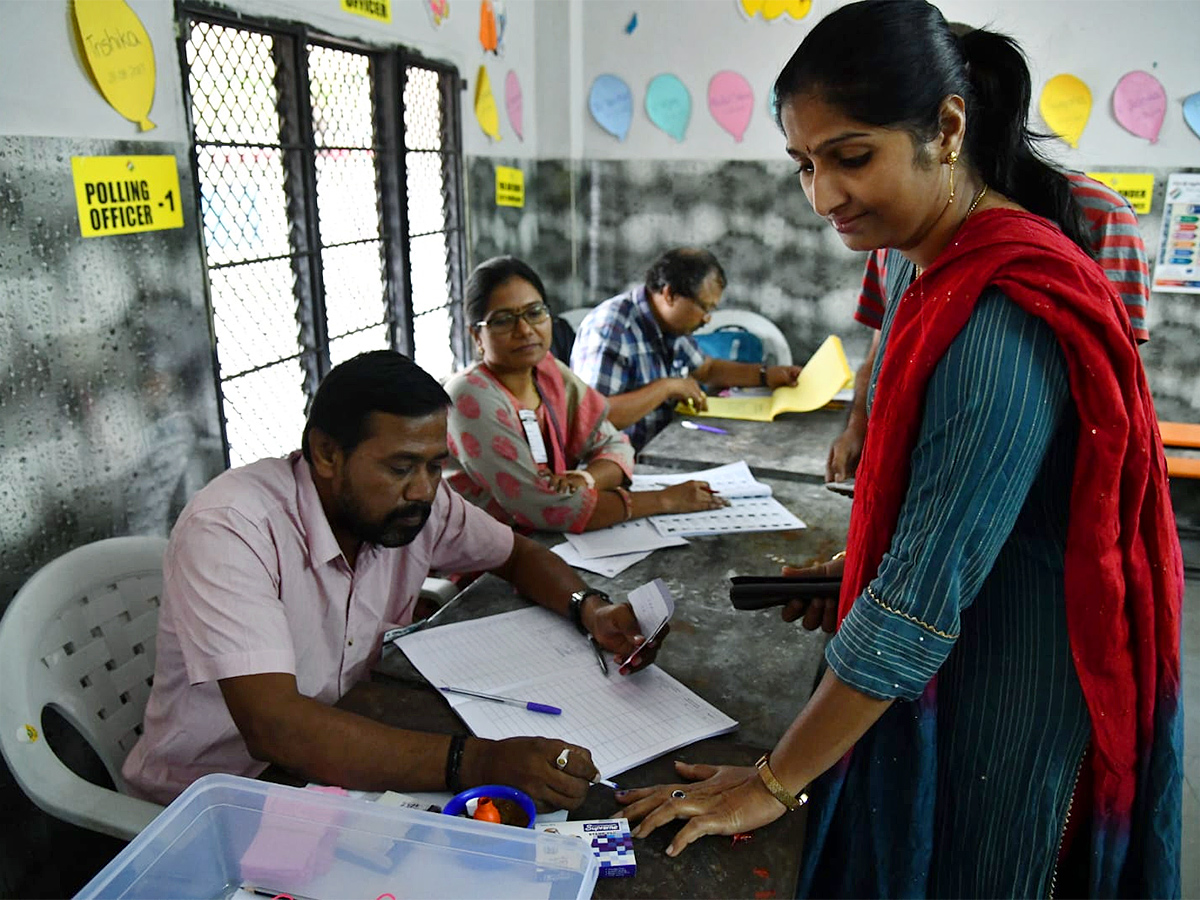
44, 90
1097, 40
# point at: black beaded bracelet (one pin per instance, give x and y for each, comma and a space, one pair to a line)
453, 761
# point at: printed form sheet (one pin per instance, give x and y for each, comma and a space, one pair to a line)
533, 654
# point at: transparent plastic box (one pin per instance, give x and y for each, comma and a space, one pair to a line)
231, 837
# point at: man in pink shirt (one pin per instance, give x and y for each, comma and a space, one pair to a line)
282, 576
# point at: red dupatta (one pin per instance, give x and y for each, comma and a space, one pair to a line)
1123, 567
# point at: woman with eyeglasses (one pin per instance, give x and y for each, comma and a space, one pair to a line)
531, 442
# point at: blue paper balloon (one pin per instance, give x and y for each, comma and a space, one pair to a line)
1191, 113
611, 105
669, 105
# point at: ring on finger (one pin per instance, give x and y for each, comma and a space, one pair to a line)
677, 794
561, 762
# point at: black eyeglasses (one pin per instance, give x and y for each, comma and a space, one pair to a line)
507, 320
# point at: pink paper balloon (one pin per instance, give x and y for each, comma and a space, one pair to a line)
731, 102
514, 102
1140, 104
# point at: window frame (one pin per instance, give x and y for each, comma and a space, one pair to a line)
388, 65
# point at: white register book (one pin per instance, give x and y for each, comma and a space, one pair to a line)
533, 654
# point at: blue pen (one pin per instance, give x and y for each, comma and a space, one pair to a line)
696, 426
511, 701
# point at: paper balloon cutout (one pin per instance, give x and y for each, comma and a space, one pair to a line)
731, 102
1140, 104
514, 102
1065, 105
611, 105
485, 105
118, 56
1191, 113
669, 105
771, 10
492, 22
439, 11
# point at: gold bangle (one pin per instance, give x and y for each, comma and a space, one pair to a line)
841, 554
778, 791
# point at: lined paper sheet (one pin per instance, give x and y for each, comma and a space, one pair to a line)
533, 654
751, 506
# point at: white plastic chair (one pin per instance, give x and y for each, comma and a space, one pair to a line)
775, 345
79, 637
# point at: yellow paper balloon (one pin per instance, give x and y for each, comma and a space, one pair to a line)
1065, 106
773, 9
119, 58
485, 105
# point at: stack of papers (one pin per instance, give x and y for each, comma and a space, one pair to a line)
610, 551
533, 654
751, 506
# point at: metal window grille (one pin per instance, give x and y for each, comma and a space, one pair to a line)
330, 194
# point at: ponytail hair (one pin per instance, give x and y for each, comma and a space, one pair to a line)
891, 63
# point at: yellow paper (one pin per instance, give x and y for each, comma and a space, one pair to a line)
1136, 187
1065, 105
773, 9
118, 56
510, 186
826, 373
126, 194
379, 10
485, 105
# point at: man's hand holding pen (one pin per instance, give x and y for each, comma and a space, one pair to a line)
614, 627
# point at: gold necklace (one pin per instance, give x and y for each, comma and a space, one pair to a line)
975, 203
970, 209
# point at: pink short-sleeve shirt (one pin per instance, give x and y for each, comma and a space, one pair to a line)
254, 582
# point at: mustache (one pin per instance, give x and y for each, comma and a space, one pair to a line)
410, 510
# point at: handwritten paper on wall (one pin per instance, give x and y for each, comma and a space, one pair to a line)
1140, 105
731, 102
611, 104
669, 105
117, 56
126, 194
1065, 106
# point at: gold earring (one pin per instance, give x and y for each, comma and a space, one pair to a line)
952, 159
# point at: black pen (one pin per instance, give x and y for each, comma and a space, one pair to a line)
599, 655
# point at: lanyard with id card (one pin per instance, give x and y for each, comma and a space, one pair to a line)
533, 434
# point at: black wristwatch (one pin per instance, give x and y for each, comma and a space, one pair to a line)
575, 606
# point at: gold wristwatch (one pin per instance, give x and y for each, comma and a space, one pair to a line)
778, 790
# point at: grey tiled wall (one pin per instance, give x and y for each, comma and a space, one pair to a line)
590, 229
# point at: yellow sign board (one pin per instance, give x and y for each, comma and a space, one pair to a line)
1136, 187
126, 194
510, 187
379, 10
